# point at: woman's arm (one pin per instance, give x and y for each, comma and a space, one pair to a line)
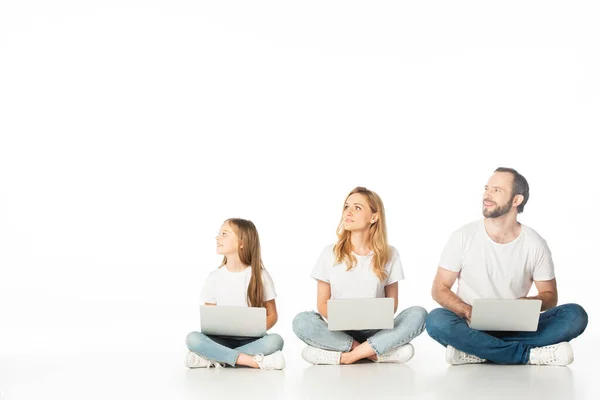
271, 313
391, 291
323, 294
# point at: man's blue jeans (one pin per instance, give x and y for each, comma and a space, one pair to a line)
559, 324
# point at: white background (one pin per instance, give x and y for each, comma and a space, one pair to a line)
131, 129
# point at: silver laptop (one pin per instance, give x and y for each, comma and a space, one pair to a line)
233, 321
505, 315
358, 314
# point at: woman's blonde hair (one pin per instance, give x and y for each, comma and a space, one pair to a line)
249, 253
377, 238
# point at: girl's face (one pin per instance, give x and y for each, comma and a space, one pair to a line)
227, 240
357, 213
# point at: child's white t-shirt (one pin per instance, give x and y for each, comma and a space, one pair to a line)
359, 282
225, 288
490, 270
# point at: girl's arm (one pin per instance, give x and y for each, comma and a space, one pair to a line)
323, 294
271, 313
391, 290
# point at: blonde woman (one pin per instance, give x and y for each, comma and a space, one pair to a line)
360, 265
241, 280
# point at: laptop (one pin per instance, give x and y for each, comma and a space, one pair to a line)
505, 315
358, 314
233, 321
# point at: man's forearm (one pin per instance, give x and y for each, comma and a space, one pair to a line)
549, 299
449, 300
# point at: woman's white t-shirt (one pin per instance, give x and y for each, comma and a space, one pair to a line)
359, 282
225, 288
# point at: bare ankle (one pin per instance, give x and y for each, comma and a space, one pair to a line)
347, 358
246, 360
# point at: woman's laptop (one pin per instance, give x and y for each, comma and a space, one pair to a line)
505, 315
233, 321
358, 314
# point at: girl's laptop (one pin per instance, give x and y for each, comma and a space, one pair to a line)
231, 321
505, 315
359, 314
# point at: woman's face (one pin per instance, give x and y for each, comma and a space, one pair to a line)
357, 213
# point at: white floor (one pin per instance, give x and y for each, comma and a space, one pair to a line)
143, 358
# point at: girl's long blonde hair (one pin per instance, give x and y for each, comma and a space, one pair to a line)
377, 237
249, 254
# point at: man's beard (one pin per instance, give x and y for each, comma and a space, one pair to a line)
498, 211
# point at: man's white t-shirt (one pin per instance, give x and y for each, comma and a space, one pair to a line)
490, 270
359, 282
225, 288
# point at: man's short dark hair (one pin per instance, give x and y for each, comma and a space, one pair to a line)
519, 186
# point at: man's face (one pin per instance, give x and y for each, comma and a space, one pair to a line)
498, 197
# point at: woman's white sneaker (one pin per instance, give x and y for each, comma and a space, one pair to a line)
457, 357
398, 355
555, 354
193, 360
270, 362
318, 356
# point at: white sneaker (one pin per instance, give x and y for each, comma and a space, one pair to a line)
398, 355
193, 360
317, 356
457, 357
270, 362
555, 354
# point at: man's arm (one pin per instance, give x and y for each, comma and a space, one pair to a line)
441, 291
547, 293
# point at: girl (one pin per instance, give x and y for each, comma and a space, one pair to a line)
360, 265
241, 280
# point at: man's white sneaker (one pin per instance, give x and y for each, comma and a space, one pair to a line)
556, 354
317, 356
457, 357
398, 355
270, 362
193, 360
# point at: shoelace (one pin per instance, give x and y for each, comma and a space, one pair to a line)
546, 355
386, 356
329, 357
210, 363
470, 358
214, 364
259, 359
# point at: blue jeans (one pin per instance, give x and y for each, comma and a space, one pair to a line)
227, 350
559, 324
310, 327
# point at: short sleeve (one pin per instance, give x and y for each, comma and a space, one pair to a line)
452, 255
209, 292
395, 271
322, 269
268, 286
543, 269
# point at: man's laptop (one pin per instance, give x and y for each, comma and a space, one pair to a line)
505, 315
233, 321
358, 314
